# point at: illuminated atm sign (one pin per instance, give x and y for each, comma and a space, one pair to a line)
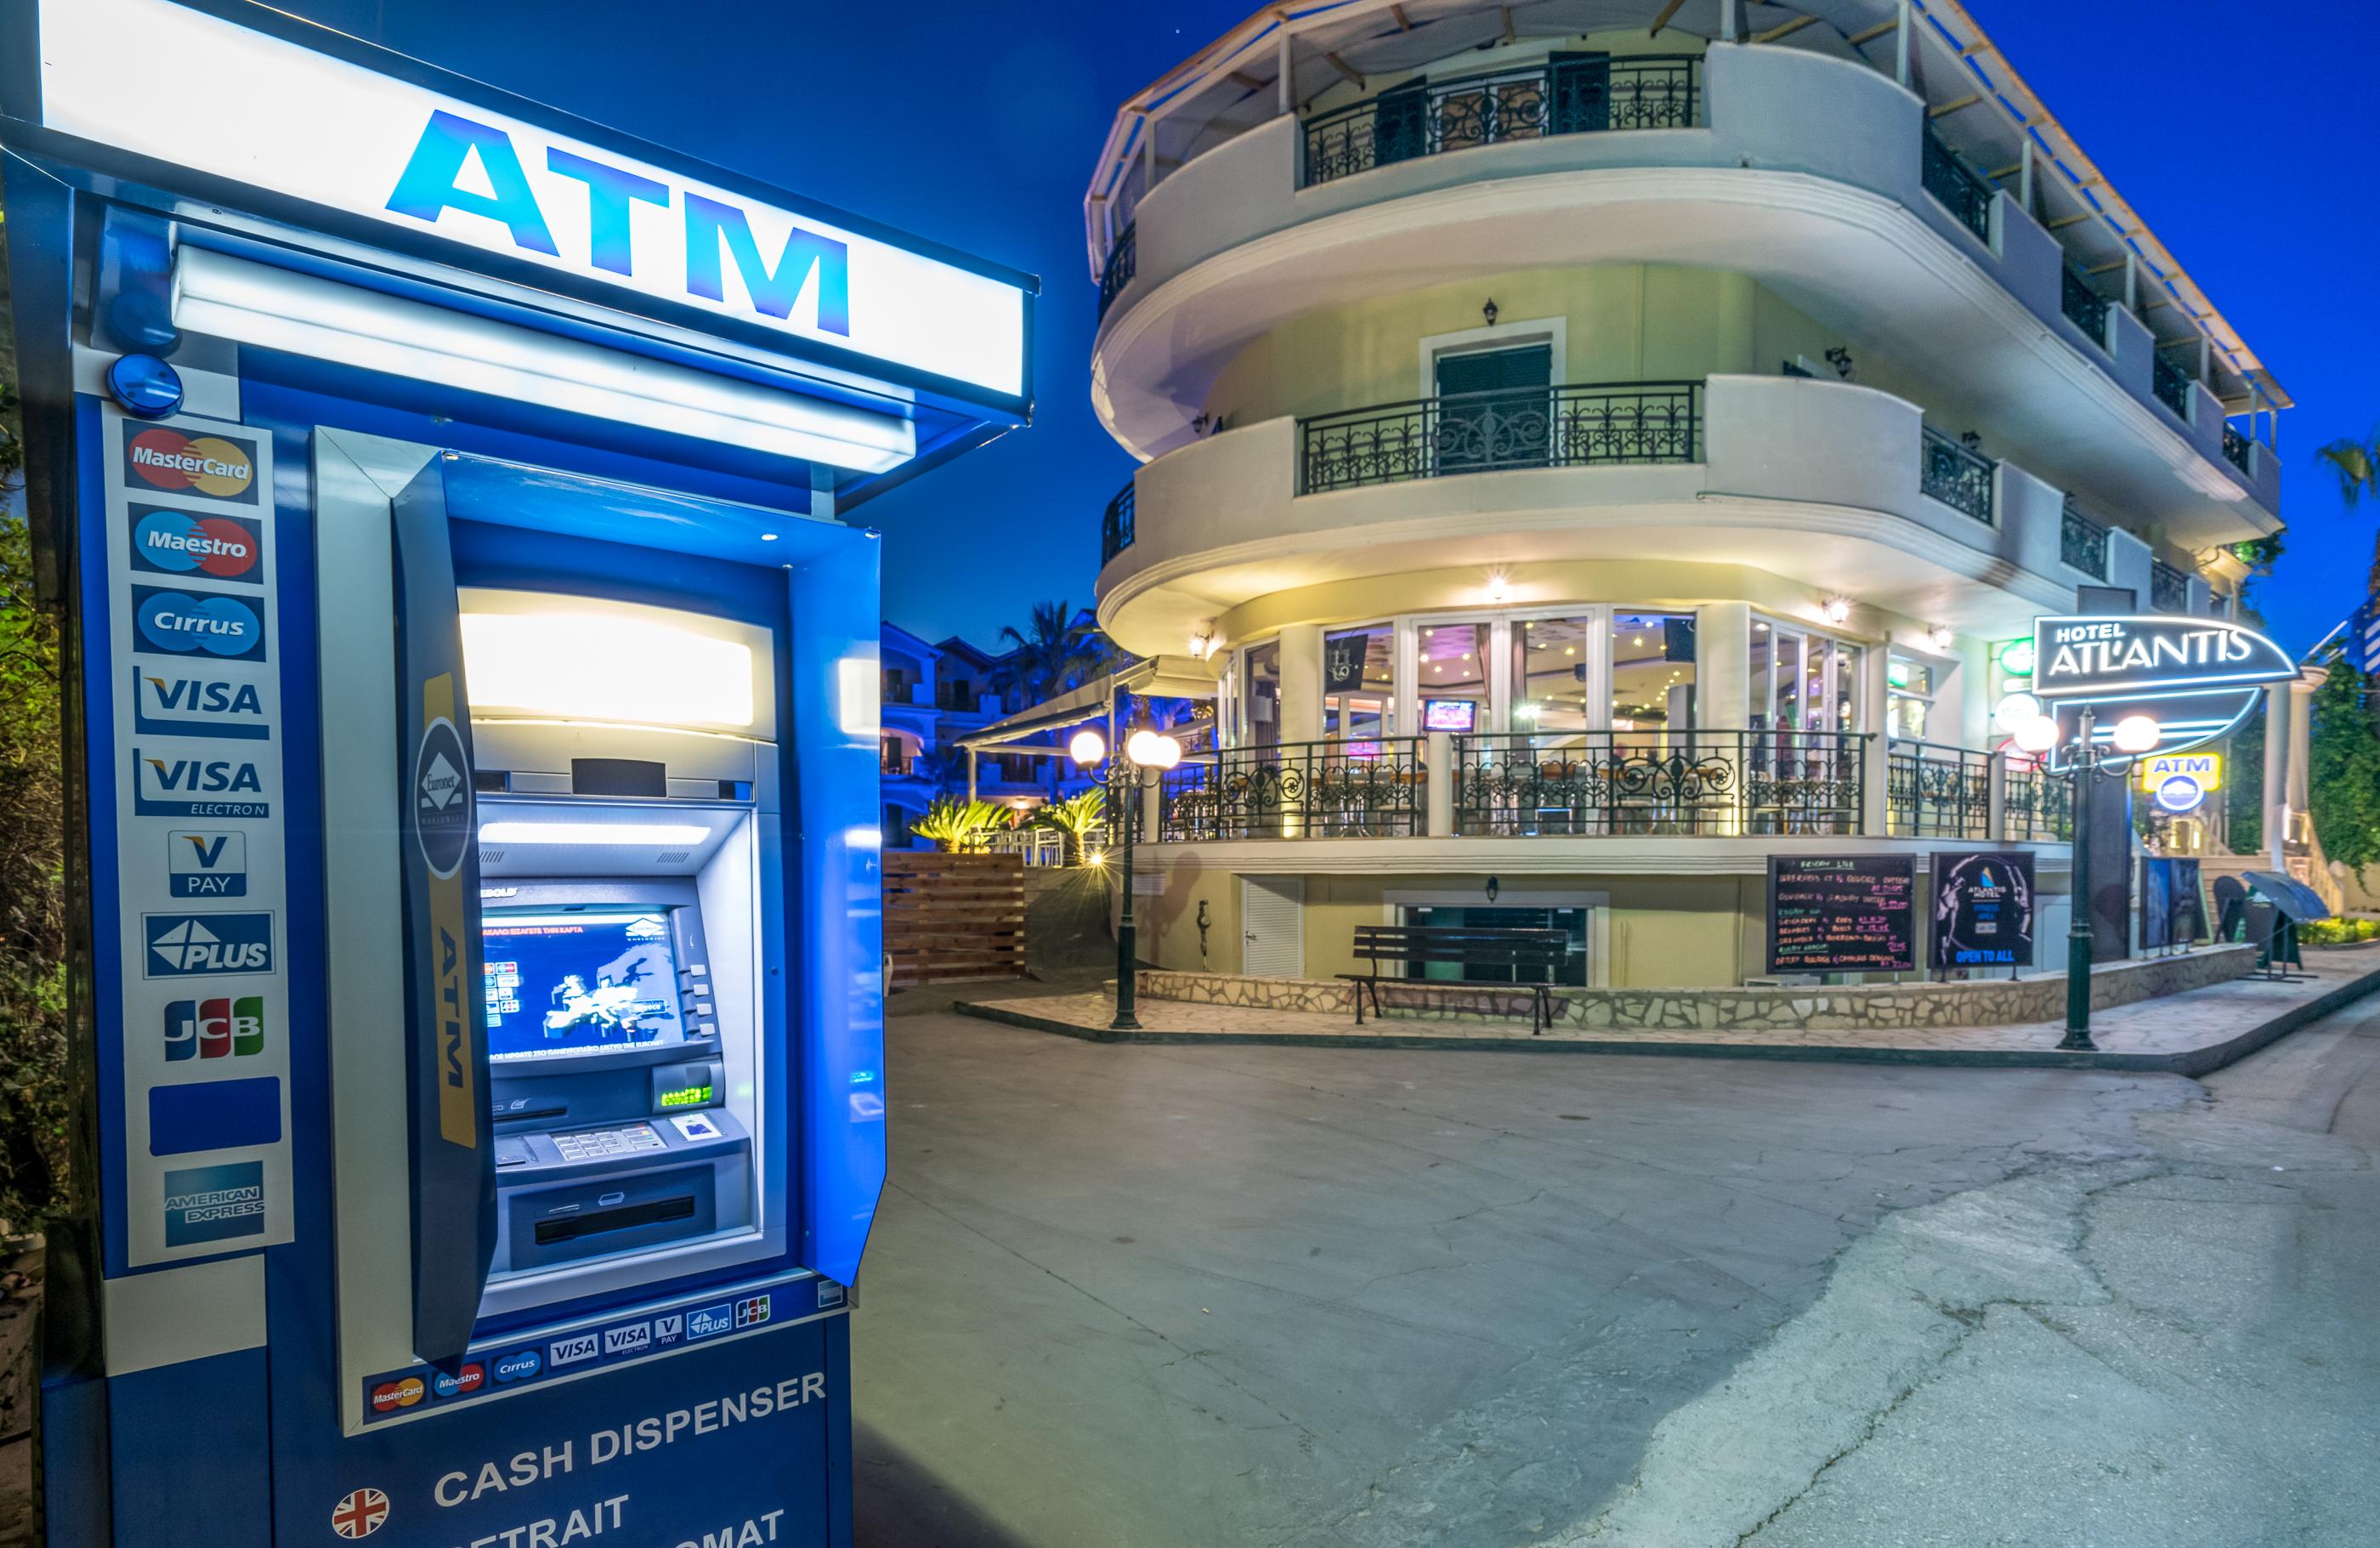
2196, 678
197, 90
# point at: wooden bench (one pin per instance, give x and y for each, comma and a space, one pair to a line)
1533, 956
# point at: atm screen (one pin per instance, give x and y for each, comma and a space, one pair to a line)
578, 984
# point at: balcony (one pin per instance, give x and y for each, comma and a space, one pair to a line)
1116, 523
2238, 448
2082, 543
1584, 425
1957, 475
1123, 262
1605, 786
2169, 588
1565, 96
1810, 175
2170, 385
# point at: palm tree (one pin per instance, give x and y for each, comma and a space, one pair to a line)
2357, 466
1051, 655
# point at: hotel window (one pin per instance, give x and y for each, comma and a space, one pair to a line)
1652, 674
1553, 678
1452, 665
1801, 682
1359, 683
1260, 695
1909, 697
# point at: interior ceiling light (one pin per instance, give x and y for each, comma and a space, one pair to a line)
301, 314
512, 832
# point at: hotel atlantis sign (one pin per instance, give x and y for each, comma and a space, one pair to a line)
2196, 678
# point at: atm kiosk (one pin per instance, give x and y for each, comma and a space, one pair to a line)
478, 1027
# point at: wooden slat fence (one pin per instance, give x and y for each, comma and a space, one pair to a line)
953, 916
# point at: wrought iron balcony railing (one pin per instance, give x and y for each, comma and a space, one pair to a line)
1574, 95
1116, 523
1957, 475
2082, 542
1579, 426
2235, 447
1341, 789
2169, 588
1656, 782
1966, 193
2084, 307
2171, 384
2038, 806
1123, 262
1932, 791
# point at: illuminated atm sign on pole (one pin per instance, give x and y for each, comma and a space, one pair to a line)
2196, 678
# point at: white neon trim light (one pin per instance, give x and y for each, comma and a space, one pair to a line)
608, 666
301, 314
592, 832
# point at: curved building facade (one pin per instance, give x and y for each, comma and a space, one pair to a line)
1594, 459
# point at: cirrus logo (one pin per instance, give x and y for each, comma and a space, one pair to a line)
218, 466
188, 624
182, 542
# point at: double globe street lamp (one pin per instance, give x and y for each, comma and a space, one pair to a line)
2038, 732
1146, 758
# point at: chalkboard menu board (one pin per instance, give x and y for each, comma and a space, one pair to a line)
1983, 910
1842, 914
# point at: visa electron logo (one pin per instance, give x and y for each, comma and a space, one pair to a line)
207, 865
183, 542
214, 1029
187, 623
193, 946
221, 467
198, 707
196, 788
460, 164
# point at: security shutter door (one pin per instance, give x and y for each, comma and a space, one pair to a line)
1272, 926
1495, 408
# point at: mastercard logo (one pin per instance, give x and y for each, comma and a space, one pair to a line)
389, 1397
210, 465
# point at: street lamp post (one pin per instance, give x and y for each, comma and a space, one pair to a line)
2132, 735
1142, 761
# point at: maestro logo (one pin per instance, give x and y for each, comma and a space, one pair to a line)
190, 622
214, 1029
441, 798
197, 946
183, 542
198, 706
220, 467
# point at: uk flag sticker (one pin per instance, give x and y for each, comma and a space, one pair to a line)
360, 1514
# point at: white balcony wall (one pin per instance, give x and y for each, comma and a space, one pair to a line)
2128, 565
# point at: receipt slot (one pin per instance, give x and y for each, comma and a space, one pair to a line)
481, 1109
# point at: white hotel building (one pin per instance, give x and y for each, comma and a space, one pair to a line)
1597, 444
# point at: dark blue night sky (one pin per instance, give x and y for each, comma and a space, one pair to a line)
2246, 148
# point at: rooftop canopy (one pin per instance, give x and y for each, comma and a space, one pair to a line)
1283, 58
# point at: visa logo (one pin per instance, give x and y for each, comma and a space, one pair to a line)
214, 1029
197, 707
635, 1338
192, 945
570, 1351
196, 788
207, 865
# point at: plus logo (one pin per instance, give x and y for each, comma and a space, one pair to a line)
214, 1029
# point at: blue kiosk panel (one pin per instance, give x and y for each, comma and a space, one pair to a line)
482, 861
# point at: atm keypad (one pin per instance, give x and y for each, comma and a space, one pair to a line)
603, 1144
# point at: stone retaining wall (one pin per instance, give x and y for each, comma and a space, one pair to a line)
1974, 1002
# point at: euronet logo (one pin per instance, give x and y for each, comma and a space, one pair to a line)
220, 467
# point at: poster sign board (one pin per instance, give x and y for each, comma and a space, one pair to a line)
1842, 914
1983, 910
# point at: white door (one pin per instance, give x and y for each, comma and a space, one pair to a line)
1272, 926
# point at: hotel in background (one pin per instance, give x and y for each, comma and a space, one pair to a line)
1592, 457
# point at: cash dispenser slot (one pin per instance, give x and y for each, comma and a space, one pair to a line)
653, 1212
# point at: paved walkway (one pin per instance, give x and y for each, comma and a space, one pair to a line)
2184, 1034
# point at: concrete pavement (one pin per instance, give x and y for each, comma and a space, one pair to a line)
1224, 1295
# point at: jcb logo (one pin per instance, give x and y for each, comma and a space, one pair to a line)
214, 1029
